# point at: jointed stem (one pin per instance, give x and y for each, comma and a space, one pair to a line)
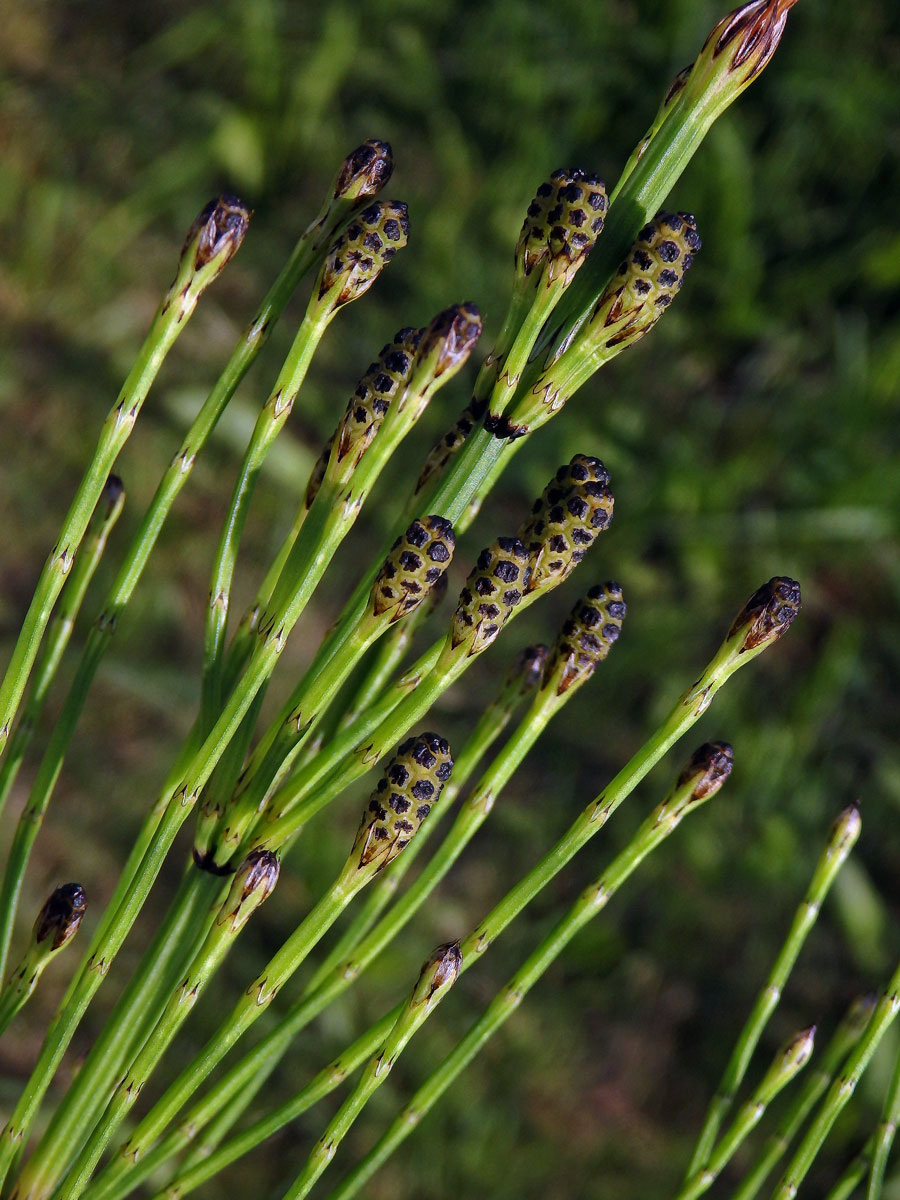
832, 859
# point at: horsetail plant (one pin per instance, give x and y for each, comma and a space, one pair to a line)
844, 1038
701, 778
843, 837
761, 621
212, 241
790, 1059
552, 678
255, 785
410, 785
56, 925
358, 948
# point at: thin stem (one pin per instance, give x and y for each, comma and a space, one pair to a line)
325, 1082
788, 1062
664, 819
354, 952
840, 1092
249, 1008
842, 1042
124, 1032
884, 1139
269, 424
47, 662
839, 845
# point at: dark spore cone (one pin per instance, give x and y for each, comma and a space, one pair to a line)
768, 613
410, 786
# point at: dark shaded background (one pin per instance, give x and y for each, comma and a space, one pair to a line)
755, 433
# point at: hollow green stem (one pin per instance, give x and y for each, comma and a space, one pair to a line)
124, 1032
789, 1061
841, 841
820, 1077
58, 636
325, 1082
682, 800
438, 976
47, 662
212, 242
250, 887
840, 1092
241, 1083
269, 424
884, 1139
258, 996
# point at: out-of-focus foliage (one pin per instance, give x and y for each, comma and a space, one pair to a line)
754, 433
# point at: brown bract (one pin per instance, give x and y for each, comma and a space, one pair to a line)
219, 230
750, 35
709, 767
61, 915
365, 170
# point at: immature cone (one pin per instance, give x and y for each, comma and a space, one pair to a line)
217, 232
590, 631
364, 171
791, 1058
362, 251
383, 382
447, 341
253, 883
563, 222
526, 672
494, 588
709, 767
767, 614
416, 562
441, 453
439, 972
646, 282
113, 491
573, 509
736, 51
411, 784
60, 917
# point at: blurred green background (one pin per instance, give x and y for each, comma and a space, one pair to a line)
755, 433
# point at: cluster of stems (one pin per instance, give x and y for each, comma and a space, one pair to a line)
594, 271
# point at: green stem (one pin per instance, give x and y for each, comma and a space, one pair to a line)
884, 1139
789, 1061
438, 975
832, 859
592, 900
166, 327
249, 1008
57, 639
301, 789
269, 424
135, 1014
250, 887
842, 1042
58, 635
325, 1082
840, 1092
241, 1083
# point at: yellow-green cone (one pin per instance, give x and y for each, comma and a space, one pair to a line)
416, 562
494, 588
410, 786
572, 510
563, 222
588, 635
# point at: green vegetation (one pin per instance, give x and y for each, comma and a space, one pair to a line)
752, 435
